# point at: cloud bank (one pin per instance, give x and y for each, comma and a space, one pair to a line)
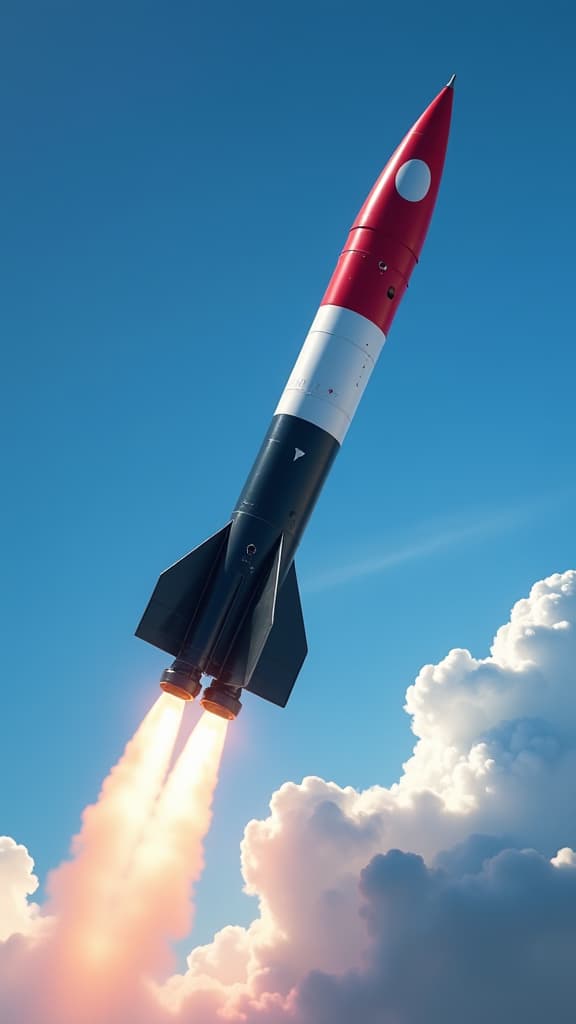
450, 896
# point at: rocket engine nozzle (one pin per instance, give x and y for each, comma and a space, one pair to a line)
181, 680
222, 700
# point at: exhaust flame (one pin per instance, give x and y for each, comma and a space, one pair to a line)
170, 856
113, 826
127, 888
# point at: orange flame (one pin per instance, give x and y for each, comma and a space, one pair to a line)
127, 889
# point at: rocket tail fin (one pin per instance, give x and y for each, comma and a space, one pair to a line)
282, 649
178, 594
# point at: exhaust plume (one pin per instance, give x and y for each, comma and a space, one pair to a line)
126, 890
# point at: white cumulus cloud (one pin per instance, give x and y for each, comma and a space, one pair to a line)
17, 883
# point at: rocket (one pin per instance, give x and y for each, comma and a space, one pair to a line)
230, 609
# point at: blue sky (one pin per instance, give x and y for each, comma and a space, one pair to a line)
177, 184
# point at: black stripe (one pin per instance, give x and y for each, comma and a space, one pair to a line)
283, 487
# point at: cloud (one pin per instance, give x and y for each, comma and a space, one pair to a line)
497, 736
17, 883
496, 945
449, 896
565, 858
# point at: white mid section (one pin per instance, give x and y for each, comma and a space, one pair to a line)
332, 370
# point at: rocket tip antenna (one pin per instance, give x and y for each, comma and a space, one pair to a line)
450, 84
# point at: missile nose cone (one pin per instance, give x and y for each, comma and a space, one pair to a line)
401, 203
402, 200
450, 84
388, 233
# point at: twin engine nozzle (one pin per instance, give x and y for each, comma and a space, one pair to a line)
183, 681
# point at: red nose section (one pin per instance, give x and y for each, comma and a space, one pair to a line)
387, 236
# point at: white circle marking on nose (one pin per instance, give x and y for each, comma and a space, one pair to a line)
413, 180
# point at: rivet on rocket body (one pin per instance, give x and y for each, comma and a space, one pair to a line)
231, 609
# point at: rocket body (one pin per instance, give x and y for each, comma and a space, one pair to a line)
231, 609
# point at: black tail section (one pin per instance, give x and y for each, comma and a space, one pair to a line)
178, 593
284, 648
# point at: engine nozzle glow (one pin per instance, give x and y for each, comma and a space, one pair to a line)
181, 680
222, 700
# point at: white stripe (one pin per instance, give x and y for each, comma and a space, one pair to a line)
332, 370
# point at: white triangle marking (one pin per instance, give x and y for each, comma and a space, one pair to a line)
298, 453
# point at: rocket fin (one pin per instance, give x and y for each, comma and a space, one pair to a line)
285, 648
178, 594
